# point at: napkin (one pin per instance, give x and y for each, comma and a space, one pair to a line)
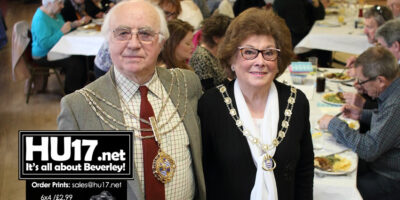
300, 67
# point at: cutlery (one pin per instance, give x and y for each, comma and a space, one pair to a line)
346, 84
340, 113
341, 73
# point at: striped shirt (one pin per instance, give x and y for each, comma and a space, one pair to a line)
381, 144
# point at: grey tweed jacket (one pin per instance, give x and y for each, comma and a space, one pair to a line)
76, 114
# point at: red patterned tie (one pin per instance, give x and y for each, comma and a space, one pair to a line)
154, 189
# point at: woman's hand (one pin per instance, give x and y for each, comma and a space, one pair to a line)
100, 15
66, 27
86, 19
354, 99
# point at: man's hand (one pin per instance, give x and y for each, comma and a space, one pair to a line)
350, 65
354, 99
352, 112
66, 27
324, 121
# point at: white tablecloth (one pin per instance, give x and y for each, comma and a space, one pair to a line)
328, 35
328, 187
77, 42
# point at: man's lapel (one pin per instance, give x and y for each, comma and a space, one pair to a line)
177, 95
106, 89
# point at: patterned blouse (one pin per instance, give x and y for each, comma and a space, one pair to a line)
207, 68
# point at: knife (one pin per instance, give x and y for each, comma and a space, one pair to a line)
346, 84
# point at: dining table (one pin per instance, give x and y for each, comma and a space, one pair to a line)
328, 185
85, 40
341, 30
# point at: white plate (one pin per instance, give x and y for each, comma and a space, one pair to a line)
328, 24
328, 102
338, 80
353, 166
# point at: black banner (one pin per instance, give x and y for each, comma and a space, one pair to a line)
75, 155
75, 190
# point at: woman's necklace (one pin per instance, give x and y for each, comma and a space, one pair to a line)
269, 163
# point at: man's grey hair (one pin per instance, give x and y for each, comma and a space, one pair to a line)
164, 33
45, 2
381, 14
389, 32
378, 61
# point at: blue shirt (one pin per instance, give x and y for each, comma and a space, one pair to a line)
103, 60
381, 144
46, 31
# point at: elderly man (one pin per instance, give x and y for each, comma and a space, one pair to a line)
394, 6
377, 71
135, 94
388, 35
373, 18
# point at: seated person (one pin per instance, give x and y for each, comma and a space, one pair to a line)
48, 27
74, 11
97, 8
172, 8
377, 72
178, 48
394, 6
373, 18
388, 35
204, 59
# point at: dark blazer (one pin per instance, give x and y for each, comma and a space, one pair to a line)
228, 165
299, 16
68, 12
92, 9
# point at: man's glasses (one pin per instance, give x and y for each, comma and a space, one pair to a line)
269, 54
362, 82
170, 14
144, 35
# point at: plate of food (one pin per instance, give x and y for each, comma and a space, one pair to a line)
90, 26
334, 164
353, 124
334, 98
338, 77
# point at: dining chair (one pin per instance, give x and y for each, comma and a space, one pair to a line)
22, 59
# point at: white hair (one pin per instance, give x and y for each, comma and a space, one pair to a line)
164, 33
45, 2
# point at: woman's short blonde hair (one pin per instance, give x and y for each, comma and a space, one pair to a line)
256, 21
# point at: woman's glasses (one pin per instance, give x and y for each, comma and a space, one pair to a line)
249, 53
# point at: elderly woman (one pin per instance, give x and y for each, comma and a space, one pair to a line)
204, 59
48, 27
178, 48
256, 131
